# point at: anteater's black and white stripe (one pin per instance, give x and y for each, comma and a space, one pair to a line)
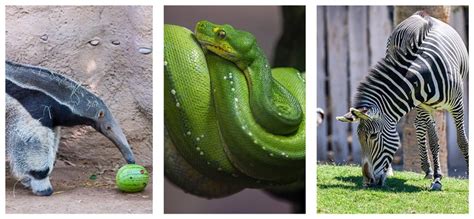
424, 67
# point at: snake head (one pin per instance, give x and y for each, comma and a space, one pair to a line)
231, 44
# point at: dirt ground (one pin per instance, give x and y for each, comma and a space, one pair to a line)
118, 68
59, 38
79, 189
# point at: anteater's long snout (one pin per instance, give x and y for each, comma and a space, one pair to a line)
112, 130
122, 144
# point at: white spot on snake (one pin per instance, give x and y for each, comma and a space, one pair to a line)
198, 139
202, 136
243, 127
219, 169
266, 65
279, 114
177, 104
188, 133
208, 163
231, 82
283, 154
236, 99
271, 154
255, 141
250, 134
225, 77
264, 148
232, 89
202, 153
166, 63
286, 155
198, 148
173, 92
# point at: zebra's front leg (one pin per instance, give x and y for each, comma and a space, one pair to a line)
421, 120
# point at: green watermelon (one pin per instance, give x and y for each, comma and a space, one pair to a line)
131, 178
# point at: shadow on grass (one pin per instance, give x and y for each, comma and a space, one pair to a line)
391, 185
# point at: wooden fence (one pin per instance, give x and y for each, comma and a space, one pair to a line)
349, 41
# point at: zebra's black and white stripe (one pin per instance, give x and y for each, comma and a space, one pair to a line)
424, 67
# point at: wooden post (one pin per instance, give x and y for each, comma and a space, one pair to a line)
358, 62
411, 158
322, 78
338, 46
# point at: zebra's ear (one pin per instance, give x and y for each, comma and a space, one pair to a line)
354, 115
360, 113
348, 117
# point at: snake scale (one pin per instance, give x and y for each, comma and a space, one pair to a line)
231, 121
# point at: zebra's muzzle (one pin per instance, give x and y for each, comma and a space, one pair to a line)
373, 180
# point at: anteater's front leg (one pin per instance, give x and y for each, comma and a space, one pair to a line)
32, 158
31, 149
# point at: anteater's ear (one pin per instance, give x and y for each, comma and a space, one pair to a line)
354, 115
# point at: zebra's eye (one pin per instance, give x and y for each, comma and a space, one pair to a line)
373, 136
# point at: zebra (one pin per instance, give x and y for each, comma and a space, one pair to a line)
423, 69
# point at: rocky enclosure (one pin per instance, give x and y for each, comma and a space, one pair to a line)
108, 49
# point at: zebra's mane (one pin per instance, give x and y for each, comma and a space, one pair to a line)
63, 89
409, 34
361, 99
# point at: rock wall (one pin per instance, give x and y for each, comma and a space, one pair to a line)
108, 50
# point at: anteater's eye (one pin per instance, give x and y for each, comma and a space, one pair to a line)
108, 128
101, 114
221, 34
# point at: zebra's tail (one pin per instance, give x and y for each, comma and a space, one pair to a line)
408, 35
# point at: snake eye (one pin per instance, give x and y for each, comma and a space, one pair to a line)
221, 34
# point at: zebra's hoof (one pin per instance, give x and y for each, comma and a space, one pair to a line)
436, 185
429, 176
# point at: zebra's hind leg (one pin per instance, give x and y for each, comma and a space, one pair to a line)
421, 121
434, 147
458, 114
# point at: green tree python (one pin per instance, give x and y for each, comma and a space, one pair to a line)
231, 121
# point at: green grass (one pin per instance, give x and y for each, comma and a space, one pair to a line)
340, 191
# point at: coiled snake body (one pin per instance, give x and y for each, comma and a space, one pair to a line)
231, 121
